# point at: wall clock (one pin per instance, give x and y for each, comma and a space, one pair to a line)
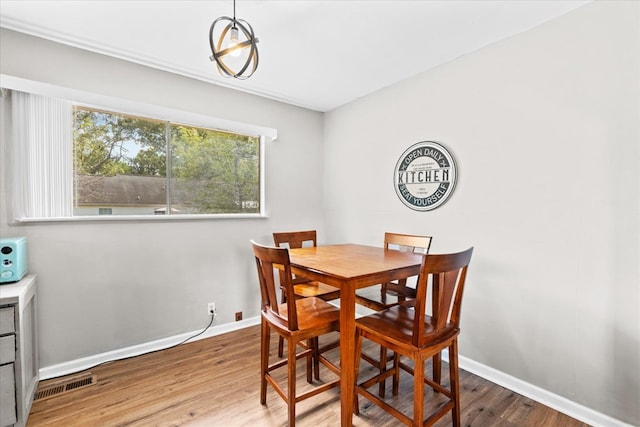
425, 176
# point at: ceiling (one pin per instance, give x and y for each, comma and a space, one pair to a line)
317, 54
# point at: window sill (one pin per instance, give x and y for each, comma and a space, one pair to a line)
140, 218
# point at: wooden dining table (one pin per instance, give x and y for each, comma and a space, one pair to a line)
350, 267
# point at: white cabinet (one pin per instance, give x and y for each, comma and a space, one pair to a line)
18, 351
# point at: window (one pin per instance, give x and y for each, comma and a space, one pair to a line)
139, 166
88, 156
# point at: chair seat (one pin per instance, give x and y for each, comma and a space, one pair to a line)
313, 313
396, 325
316, 289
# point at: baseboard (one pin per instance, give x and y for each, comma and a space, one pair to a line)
545, 397
136, 350
559, 403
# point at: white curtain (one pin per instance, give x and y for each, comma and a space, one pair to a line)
42, 146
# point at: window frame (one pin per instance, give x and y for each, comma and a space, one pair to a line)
153, 112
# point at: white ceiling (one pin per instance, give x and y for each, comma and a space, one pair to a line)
317, 54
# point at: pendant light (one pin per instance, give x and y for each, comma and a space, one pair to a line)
235, 51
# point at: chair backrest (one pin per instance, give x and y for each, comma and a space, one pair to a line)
295, 239
407, 242
268, 258
446, 275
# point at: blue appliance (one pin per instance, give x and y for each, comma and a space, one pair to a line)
13, 259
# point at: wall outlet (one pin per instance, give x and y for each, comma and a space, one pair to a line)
211, 309
238, 316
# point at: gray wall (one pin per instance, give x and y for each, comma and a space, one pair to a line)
107, 286
545, 127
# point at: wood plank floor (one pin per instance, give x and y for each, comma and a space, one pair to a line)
215, 382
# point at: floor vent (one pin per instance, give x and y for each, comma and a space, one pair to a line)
68, 384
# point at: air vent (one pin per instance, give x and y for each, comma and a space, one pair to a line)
69, 384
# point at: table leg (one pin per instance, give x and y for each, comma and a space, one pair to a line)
347, 353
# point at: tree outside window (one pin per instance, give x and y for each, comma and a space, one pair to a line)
141, 166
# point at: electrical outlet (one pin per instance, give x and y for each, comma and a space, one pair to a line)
211, 309
238, 316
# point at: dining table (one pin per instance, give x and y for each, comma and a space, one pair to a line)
350, 267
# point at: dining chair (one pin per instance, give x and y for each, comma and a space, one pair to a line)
410, 332
386, 295
303, 287
299, 321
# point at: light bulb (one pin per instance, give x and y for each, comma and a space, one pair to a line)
233, 42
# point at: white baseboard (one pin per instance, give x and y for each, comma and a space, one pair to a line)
559, 403
136, 350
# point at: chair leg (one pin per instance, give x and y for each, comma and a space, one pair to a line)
382, 367
311, 344
418, 391
455, 382
264, 361
283, 299
358, 348
291, 381
437, 368
396, 373
316, 358
280, 347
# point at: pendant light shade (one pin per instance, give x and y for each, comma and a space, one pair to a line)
233, 46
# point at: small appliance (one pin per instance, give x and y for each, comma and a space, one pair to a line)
13, 259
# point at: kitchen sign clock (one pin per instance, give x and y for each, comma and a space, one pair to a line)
425, 176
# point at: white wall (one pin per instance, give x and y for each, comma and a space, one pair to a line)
545, 127
104, 286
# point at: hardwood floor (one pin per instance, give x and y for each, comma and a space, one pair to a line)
215, 382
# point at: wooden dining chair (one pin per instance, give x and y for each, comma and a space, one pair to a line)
299, 321
303, 287
386, 295
410, 332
